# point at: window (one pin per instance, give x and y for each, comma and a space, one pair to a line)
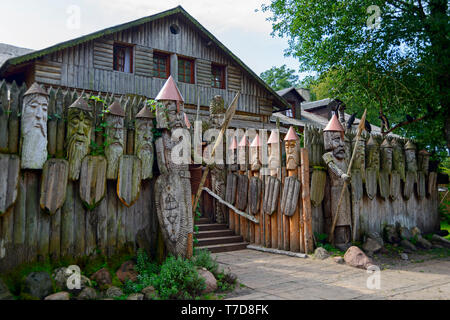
123, 58
291, 113
186, 70
218, 76
161, 65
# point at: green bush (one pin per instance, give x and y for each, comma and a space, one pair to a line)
178, 279
202, 258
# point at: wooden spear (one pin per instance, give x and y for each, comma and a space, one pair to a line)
336, 216
228, 116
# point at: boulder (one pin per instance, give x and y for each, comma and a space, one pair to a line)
442, 233
113, 292
377, 237
390, 234
343, 246
440, 240
63, 295
103, 278
149, 292
339, 260
403, 256
405, 233
321, 253
423, 243
4, 292
87, 293
355, 257
210, 281
136, 296
127, 272
371, 246
38, 284
408, 245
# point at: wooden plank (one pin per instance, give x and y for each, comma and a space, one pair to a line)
53, 185
93, 180
67, 221
129, 179
112, 204
20, 212
79, 225
55, 235
306, 203
9, 181
4, 116
13, 124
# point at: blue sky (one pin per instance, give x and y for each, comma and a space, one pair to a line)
39, 24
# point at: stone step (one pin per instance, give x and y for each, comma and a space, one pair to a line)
211, 226
214, 233
202, 221
226, 247
219, 240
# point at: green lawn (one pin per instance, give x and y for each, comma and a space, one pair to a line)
445, 226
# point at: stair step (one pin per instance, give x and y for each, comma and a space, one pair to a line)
226, 247
214, 233
211, 226
202, 221
219, 240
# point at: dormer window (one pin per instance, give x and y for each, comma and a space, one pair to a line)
123, 57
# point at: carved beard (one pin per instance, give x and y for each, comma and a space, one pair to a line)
77, 150
113, 154
146, 154
34, 149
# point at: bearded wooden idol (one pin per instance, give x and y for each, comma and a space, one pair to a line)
115, 137
34, 128
337, 168
411, 169
173, 188
143, 144
79, 130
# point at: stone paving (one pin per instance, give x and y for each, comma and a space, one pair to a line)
269, 276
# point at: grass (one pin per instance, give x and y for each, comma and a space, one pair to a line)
445, 225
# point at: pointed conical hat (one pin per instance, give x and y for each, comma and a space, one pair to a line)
81, 104
273, 137
243, 142
186, 121
35, 89
233, 144
116, 109
291, 135
170, 91
256, 142
334, 124
146, 113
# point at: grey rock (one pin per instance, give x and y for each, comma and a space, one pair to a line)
408, 245
355, 257
210, 281
113, 292
103, 278
437, 246
63, 295
87, 293
423, 243
149, 292
390, 234
339, 260
371, 246
321, 253
136, 296
442, 241
377, 237
404, 256
61, 276
38, 284
4, 292
405, 233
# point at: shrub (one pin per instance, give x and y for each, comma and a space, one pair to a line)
202, 258
178, 279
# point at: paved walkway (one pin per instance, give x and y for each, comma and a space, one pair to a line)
270, 276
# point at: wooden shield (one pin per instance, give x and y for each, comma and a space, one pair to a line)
230, 196
317, 190
357, 185
384, 184
255, 194
432, 178
272, 191
93, 180
129, 179
289, 199
421, 185
54, 184
408, 188
9, 180
395, 189
371, 183
242, 191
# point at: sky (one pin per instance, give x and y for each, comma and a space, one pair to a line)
39, 24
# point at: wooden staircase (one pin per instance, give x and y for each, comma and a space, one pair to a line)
217, 237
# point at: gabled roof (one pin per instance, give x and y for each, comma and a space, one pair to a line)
283, 92
108, 31
8, 51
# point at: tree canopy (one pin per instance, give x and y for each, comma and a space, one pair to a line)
391, 57
280, 77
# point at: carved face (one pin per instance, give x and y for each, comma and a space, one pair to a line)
144, 146
274, 156
79, 128
242, 158
292, 154
217, 120
171, 213
386, 159
411, 163
360, 157
115, 139
337, 144
34, 131
373, 157
169, 117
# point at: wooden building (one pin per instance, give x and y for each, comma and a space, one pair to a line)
137, 57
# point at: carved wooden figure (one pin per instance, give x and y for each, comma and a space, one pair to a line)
143, 143
129, 179
372, 167
9, 181
411, 169
422, 173
93, 180
80, 120
337, 168
54, 185
398, 158
115, 137
386, 189
34, 128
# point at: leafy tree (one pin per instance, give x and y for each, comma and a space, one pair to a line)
280, 77
387, 56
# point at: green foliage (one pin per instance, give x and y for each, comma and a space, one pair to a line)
400, 66
280, 77
95, 148
178, 279
202, 258
223, 283
322, 241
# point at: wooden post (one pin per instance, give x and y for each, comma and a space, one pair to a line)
306, 201
294, 222
255, 229
280, 218
267, 220
301, 224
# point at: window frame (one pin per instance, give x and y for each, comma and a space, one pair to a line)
192, 61
223, 77
127, 46
166, 56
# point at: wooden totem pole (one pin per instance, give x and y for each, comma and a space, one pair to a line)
255, 188
242, 187
173, 188
411, 169
232, 179
422, 173
115, 137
